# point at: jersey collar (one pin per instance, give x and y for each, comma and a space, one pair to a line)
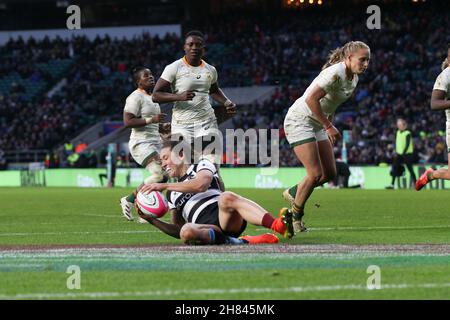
187, 63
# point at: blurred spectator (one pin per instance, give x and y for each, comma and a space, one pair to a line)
3, 164
72, 160
438, 155
80, 147
68, 148
51, 160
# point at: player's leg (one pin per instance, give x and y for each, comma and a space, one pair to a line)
235, 209
195, 234
209, 137
442, 173
327, 168
145, 154
192, 233
301, 134
153, 165
327, 161
431, 174
308, 154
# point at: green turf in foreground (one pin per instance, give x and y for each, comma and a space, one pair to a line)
64, 216
224, 276
45, 216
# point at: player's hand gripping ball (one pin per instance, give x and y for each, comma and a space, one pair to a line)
153, 204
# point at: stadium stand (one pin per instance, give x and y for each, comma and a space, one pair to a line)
89, 80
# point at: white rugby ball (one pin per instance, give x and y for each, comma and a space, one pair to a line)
153, 203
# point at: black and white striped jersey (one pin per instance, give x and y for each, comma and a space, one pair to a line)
193, 205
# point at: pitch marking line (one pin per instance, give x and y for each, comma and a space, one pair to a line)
147, 253
102, 216
371, 228
258, 229
74, 232
221, 291
321, 249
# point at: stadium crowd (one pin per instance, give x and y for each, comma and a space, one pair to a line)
250, 50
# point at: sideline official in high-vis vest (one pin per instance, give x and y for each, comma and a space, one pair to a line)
404, 149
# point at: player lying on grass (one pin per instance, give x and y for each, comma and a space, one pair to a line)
201, 213
440, 100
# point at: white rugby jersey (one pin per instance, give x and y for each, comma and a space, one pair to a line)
183, 77
333, 80
191, 205
443, 83
141, 105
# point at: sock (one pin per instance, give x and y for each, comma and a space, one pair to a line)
212, 236
297, 211
132, 197
293, 191
156, 173
429, 176
232, 240
217, 237
267, 221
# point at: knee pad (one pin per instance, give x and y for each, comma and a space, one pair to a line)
156, 173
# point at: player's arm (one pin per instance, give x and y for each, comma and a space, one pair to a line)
313, 102
438, 101
171, 229
200, 183
162, 93
131, 121
226, 108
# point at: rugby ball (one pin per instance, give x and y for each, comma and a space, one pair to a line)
153, 203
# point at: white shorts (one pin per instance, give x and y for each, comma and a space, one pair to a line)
142, 150
192, 130
300, 129
447, 134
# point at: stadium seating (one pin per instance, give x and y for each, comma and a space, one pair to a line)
285, 51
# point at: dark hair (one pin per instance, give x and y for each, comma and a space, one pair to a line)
195, 33
174, 140
135, 73
179, 141
169, 143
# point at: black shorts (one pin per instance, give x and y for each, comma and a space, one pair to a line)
210, 215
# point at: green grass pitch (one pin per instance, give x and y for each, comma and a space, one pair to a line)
406, 234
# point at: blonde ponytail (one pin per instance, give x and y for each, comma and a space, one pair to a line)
339, 54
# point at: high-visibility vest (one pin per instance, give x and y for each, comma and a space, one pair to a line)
400, 142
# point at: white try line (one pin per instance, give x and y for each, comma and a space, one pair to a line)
100, 253
370, 228
102, 216
188, 292
75, 232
